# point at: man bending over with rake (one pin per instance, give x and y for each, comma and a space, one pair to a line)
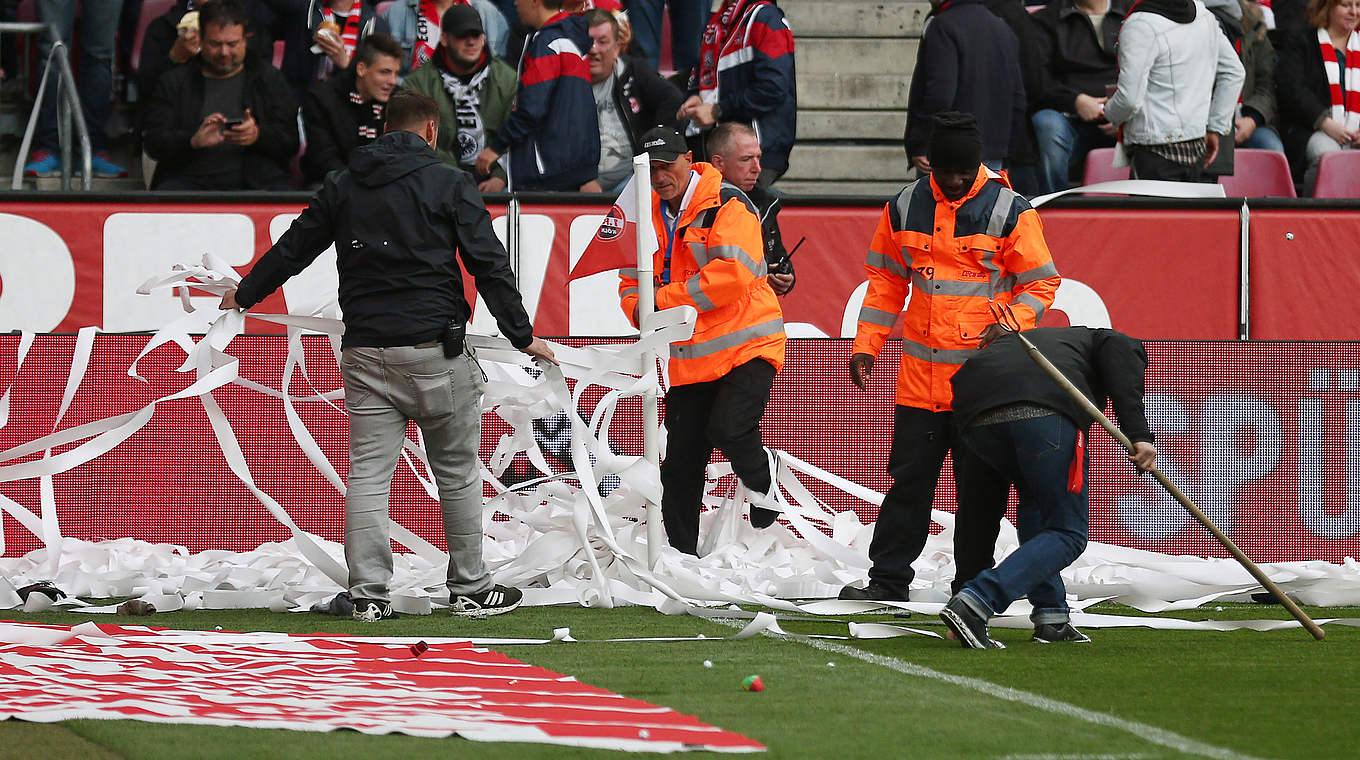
1019, 426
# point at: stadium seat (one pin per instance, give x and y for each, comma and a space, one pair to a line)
1100, 167
151, 10
1338, 175
1258, 174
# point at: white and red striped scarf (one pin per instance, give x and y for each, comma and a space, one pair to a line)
428, 31
1344, 84
349, 30
720, 28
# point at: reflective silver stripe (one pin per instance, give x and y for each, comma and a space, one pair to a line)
1033, 303
904, 203
1038, 273
696, 291
937, 355
700, 253
994, 279
882, 261
724, 342
877, 317
949, 287
631, 272
1004, 285
628, 292
1000, 212
735, 252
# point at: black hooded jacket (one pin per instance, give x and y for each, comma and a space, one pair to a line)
396, 217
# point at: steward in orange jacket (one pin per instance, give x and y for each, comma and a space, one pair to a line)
710, 256
960, 241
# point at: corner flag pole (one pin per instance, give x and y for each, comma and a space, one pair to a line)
651, 423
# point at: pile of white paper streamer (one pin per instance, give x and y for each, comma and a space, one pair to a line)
564, 542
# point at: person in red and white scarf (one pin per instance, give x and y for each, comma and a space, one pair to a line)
1320, 107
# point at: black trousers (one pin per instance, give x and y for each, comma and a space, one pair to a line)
1144, 164
921, 439
982, 497
723, 414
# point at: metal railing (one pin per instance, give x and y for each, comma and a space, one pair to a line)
69, 113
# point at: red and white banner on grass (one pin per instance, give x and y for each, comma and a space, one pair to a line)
323, 683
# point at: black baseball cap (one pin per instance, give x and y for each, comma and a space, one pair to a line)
663, 144
461, 19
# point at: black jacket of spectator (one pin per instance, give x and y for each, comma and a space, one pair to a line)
1102, 363
1073, 61
396, 217
644, 99
300, 65
175, 111
1304, 96
1248, 36
969, 60
162, 32
336, 121
1019, 19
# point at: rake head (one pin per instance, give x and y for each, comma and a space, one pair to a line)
1004, 316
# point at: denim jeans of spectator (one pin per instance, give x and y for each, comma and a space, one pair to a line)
687, 27
93, 66
1264, 138
1035, 455
384, 389
1063, 145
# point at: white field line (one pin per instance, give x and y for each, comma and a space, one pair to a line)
1141, 730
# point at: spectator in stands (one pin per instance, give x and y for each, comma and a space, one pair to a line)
347, 110
98, 26
551, 135
1023, 162
1077, 46
474, 90
173, 38
1179, 79
760, 89
1244, 26
416, 25
225, 122
1317, 68
687, 21
630, 98
969, 61
735, 151
326, 42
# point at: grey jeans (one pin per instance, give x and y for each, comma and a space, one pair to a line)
384, 389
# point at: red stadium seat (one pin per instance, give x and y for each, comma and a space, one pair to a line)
1258, 174
1338, 175
1100, 167
151, 10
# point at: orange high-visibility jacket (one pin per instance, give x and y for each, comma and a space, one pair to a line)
958, 257
717, 265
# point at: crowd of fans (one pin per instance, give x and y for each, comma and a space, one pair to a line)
554, 94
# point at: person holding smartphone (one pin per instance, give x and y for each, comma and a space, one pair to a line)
223, 121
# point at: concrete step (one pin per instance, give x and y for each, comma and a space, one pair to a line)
848, 161
856, 56
53, 184
855, 18
851, 125
874, 189
853, 91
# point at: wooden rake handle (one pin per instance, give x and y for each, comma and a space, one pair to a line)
1171, 488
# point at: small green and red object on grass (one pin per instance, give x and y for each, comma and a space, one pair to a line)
752, 683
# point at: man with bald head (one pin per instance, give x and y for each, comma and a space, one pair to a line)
734, 149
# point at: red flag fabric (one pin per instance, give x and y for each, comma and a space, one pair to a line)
614, 244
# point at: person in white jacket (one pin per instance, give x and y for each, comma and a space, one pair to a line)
1179, 79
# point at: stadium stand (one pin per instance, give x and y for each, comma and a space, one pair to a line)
1259, 174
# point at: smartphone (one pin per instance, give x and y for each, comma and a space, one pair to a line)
232, 124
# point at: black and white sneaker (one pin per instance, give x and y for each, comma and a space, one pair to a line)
968, 627
371, 611
1061, 633
496, 600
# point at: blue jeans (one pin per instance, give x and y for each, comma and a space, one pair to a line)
1264, 138
384, 389
687, 27
1035, 455
94, 83
1063, 144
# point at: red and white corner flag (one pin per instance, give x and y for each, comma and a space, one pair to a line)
615, 243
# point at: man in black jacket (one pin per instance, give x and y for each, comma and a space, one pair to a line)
346, 111
223, 121
1020, 427
630, 98
735, 151
969, 61
396, 217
